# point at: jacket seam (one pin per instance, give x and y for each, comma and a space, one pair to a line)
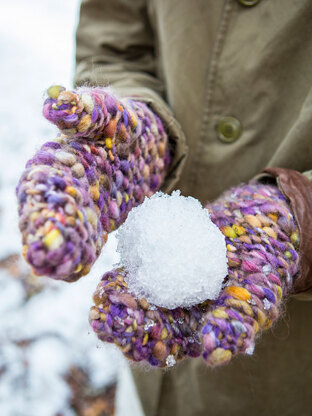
211, 77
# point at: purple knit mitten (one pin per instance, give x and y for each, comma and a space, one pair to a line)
77, 188
262, 250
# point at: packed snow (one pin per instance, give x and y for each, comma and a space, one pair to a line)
173, 253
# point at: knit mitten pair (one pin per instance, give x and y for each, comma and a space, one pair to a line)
111, 154
77, 188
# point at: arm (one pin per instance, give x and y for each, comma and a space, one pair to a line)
115, 46
70, 195
262, 250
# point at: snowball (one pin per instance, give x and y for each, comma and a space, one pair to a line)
173, 253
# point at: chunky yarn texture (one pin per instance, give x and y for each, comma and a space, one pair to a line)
262, 251
77, 188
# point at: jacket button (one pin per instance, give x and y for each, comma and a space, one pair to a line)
228, 129
248, 3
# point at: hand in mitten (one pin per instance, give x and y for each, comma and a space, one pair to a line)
77, 188
262, 252
143, 331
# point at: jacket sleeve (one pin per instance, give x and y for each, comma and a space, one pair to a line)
115, 46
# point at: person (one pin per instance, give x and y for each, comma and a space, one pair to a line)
230, 81
234, 78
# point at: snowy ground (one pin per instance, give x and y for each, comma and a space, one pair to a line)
36, 50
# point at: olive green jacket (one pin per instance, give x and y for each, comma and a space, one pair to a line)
231, 80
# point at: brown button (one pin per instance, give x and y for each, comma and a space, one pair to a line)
228, 129
248, 3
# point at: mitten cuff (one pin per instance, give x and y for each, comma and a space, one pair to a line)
298, 189
176, 137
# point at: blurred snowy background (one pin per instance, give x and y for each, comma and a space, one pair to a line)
51, 363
